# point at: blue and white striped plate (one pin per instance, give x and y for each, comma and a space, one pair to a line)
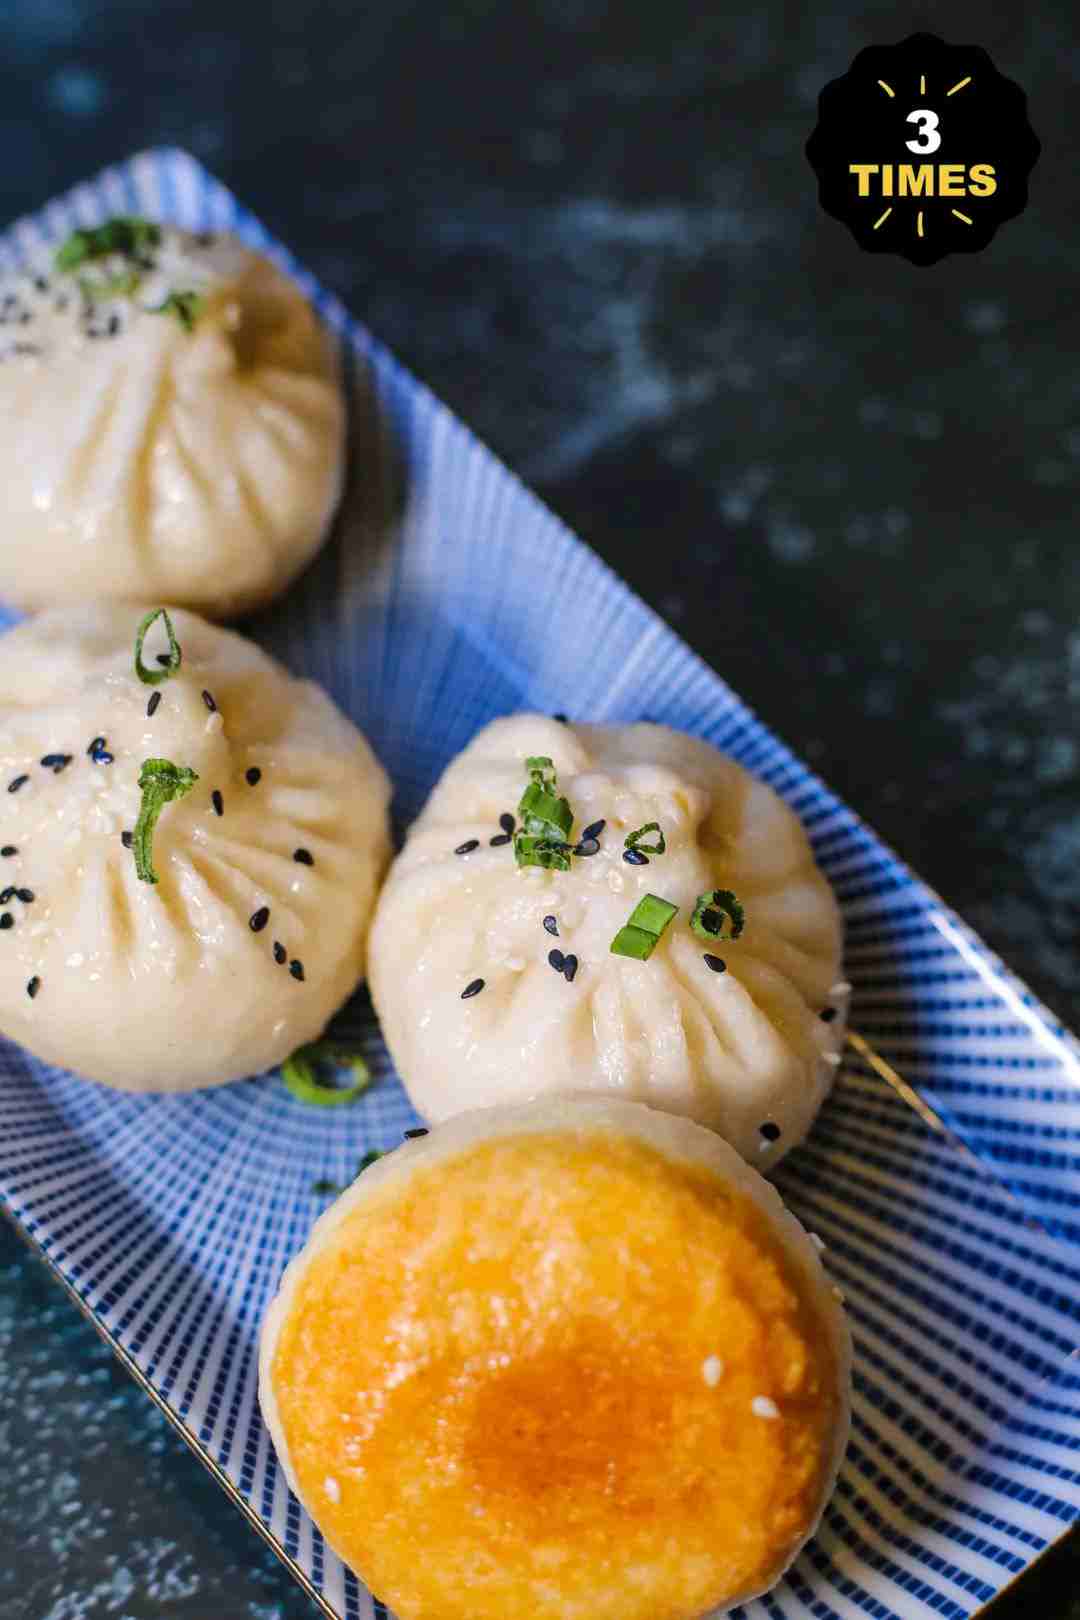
944, 1174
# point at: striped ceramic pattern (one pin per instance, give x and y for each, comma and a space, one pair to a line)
953, 1230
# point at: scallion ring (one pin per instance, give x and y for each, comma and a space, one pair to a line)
633, 840
154, 677
300, 1076
710, 909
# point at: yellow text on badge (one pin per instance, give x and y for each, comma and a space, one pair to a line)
924, 179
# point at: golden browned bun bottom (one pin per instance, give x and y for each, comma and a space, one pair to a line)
566, 1361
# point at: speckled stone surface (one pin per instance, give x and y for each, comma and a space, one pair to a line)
849, 483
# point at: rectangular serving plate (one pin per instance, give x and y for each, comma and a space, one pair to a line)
943, 1174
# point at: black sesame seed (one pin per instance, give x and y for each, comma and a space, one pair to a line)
296, 968
473, 988
16, 783
208, 699
103, 758
55, 762
8, 850
304, 856
280, 952
421, 1130
711, 921
164, 658
593, 830
716, 963
33, 987
507, 822
634, 857
588, 846
468, 846
827, 1014
41, 284
769, 1131
561, 718
218, 802
557, 960
551, 923
253, 776
114, 325
7, 920
25, 895
127, 839
259, 919
7, 896
500, 838
152, 706
96, 744
570, 967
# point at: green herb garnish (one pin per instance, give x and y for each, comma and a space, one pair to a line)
710, 909
633, 840
545, 819
642, 931
154, 677
129, 236
161, 781
120, 286
324, 1186
186, 306
299, 1073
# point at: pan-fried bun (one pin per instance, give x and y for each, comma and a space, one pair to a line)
570, 1360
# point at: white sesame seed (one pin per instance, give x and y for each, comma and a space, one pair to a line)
838, 1293
817, 1241
332, 1488
712, 1370
763, 1407
832, 1058
842, 988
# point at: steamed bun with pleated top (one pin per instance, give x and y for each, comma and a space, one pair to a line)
173, 423
620, 909
190, 845
570, 1360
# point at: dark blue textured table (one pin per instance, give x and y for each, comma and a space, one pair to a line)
849, 483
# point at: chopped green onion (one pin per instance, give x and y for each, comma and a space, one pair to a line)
545, 819
633, 840
130, 236
633, 942
161, 781
322, 1186
154, 677
120, 286
710, 909
642, 931
299, 1073
369, 1159
541, 769
186, 306
552, 856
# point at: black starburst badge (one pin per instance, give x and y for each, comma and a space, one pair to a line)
922, 149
